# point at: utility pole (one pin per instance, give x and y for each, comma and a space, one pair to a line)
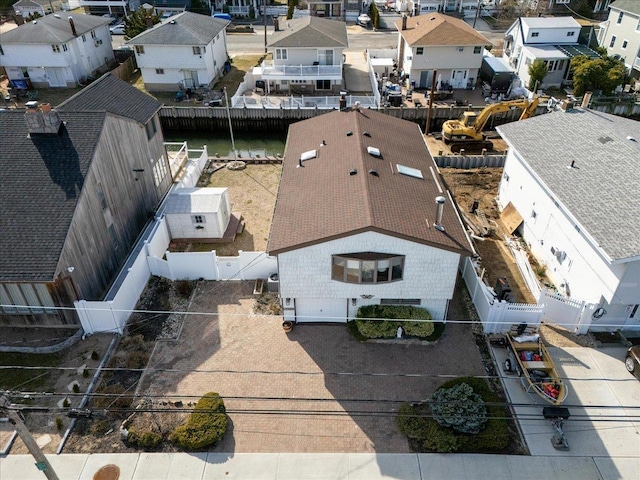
427, 125
475, 19
233, 143
264, 14
42, 463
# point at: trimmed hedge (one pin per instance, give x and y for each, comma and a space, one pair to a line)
388, 328
205, 426
147, 440
426, 434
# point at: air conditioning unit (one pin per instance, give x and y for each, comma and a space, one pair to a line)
273, 283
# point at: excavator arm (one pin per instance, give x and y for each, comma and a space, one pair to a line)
488, 112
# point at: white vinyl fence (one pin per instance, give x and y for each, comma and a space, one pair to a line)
150, 256
496, 316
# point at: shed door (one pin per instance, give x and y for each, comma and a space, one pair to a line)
426, 77
321, 310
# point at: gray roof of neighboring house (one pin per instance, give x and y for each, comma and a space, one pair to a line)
601, 192
42, 178
632, 6
314, 32
550, 22
36, 3
186, 28
52, 30
116, 96
345, 190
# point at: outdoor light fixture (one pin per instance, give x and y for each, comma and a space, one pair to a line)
354, 301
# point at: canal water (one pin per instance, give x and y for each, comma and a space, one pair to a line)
219, 142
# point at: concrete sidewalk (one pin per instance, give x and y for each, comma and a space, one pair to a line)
287, 466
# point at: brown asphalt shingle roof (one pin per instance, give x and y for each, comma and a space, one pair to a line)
315, 32
322, 201
437, 29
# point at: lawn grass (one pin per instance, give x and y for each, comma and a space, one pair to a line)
13, 378
240, 65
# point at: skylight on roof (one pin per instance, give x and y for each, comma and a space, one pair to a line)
308, 155
373, 151
409, 172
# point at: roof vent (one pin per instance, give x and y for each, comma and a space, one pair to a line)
604, 140
440, 203
324, 143
55, 15
349, 133
631, 139
353, 172
366, 134
34, 22
374, 151
172, 22
374, 173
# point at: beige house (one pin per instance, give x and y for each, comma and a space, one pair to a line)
438, 42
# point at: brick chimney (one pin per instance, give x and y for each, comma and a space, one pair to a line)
73, 27
41, 120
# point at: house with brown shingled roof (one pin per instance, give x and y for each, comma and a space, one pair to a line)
435, 41
361, 218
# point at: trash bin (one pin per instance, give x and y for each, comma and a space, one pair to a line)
502, 288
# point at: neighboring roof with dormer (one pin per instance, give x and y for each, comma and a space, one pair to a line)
42, 177
601, 191
186, 28
437, 29
53, 29
116, 96
361, 171
631, 6
310, 32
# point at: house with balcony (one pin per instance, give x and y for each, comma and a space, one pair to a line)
553, 40
443, 43
79, 183
187, 50
307, 56
24, 8
572, 177
56, 51
362, 218
620, 34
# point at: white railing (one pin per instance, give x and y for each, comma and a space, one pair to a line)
636, 63
239, 10
296, 102
269, 69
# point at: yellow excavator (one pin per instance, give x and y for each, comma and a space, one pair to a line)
467, 130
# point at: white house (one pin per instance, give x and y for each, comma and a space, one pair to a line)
440, 42
25, 8
551, 39
56, 50
120, 8
198, 213
307, 56
620, 34
187, 50
362, 218
573, 177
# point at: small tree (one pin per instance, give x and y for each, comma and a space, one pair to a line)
537, 71
374, 13
460, 408
139, 21
198, 6
604, 73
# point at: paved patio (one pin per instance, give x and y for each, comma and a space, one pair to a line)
314, 390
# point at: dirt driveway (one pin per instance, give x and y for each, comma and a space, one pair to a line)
315, 389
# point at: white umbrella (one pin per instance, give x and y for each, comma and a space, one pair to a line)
439, 82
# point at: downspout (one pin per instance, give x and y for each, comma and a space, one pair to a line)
85, 397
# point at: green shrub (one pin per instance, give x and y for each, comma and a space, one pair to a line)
414, 421
205, 426
252, 12
148, 440
374, 13
185, 288
94, 355
85, 373
460, 408
388, 328
76, 388
59, 423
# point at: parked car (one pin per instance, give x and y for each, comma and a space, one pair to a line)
364, 20
117, 29
632, 360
